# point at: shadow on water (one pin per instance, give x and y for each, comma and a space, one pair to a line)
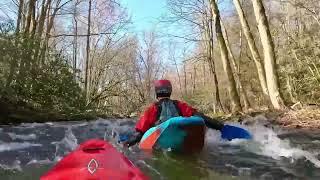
29, 150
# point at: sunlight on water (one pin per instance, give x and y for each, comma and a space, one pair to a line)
16, 146
45, 161
25, 137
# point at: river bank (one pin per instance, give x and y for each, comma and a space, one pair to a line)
304, 117
16, 112
307, 117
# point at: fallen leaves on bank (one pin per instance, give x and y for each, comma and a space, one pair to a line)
306, 118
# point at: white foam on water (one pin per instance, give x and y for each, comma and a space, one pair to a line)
79, 124
42, 162
117, 130
49, 123
213, 137
16, 165
244, 171
25, 137
150, 167
66, 145
57, 158
16, 146
273, 146
29, 125
265, 142
102, 121
70, 140
316, 141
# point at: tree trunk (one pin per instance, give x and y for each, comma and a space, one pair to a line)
216, 84
29, 16
50, 24
178, 73
289, 89
242, 92
40, 28
240, 53
51, 19
44, 9
45, 43
209, 42
75, 40
204, 74
14, 61
34, 22
194, 79
32, 64
232, 90
213, 68
269, 55
27, 54
24, 17
88, 53
185, 79
252, 46
21, 3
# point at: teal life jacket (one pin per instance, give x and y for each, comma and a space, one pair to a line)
167, 109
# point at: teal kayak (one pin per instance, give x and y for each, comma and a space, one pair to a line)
177, 134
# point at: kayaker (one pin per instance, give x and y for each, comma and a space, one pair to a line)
164, 109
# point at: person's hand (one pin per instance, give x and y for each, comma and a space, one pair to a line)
125, 145
132, 140
211, 122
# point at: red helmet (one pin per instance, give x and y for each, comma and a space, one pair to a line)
163, 88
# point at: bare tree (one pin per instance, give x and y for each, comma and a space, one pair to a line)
21, 3
242, 92
14, 61
75, 39
172, 57
207, 23
252, 46
150, 61
31, 8
87, 78
269, 55
42, 18
185, 78
234, 97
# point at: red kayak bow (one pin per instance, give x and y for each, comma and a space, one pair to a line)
95, 160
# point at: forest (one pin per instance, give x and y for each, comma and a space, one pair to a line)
78, 59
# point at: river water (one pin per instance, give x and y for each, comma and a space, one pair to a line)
29, 150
